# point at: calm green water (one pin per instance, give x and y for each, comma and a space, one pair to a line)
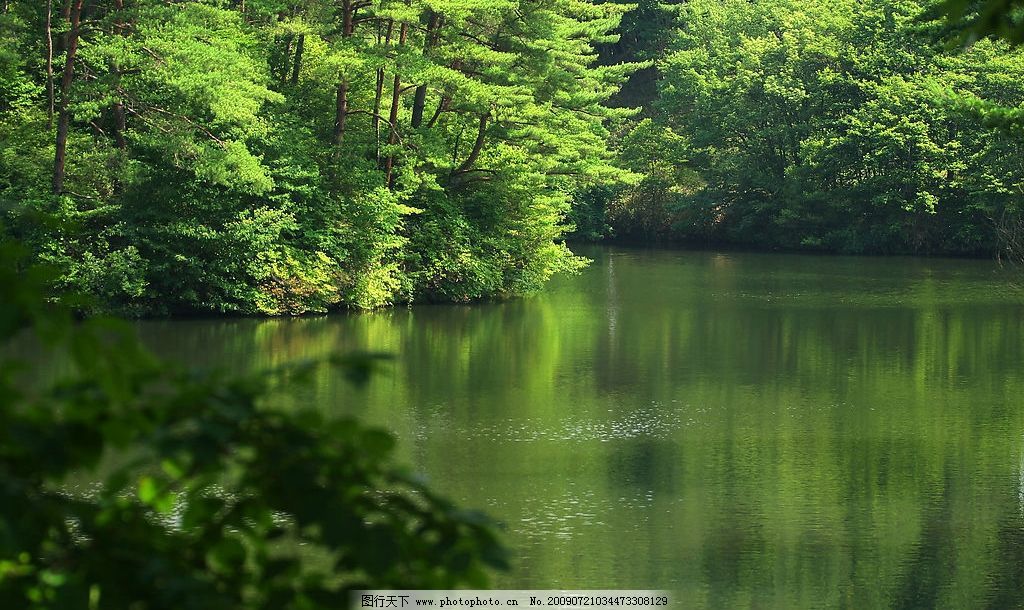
747, 430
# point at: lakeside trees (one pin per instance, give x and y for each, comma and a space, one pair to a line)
282, 157
833, 125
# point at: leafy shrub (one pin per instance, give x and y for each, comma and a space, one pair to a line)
298, 284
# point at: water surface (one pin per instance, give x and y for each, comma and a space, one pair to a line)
747, 430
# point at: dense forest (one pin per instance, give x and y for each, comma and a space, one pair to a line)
854, 127
282, 157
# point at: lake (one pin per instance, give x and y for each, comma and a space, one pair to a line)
745, 430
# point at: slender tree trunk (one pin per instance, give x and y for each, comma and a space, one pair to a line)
441, 107
341, 104
120, 124
445, 102
396, 101
341, 111
380, 90
421, 91
286, 68
64, 117
418, 102
347, 17
376, 109
49, 63
300, 46
117, 110
458, 144
478, 146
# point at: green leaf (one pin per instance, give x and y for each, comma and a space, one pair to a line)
227, 555
148, 490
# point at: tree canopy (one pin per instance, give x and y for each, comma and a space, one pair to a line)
275, 157
829, 125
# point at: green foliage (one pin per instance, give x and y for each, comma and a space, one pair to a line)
644, 35
299, 156
836, 125
589, 214
653, 207
978, 18
208, 496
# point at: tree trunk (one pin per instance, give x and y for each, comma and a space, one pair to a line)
49, 63
117, 110
299, 48
446, 100
286, 68
341, 105
396, 101
441, 107
478, 146
376, 109
417, 105
120, 124
421, 91
341, 111
380, 90
347, 19
64, 117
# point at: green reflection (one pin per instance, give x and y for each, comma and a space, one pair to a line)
748, 430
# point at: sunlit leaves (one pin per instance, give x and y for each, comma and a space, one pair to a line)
246, 161
839, 125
